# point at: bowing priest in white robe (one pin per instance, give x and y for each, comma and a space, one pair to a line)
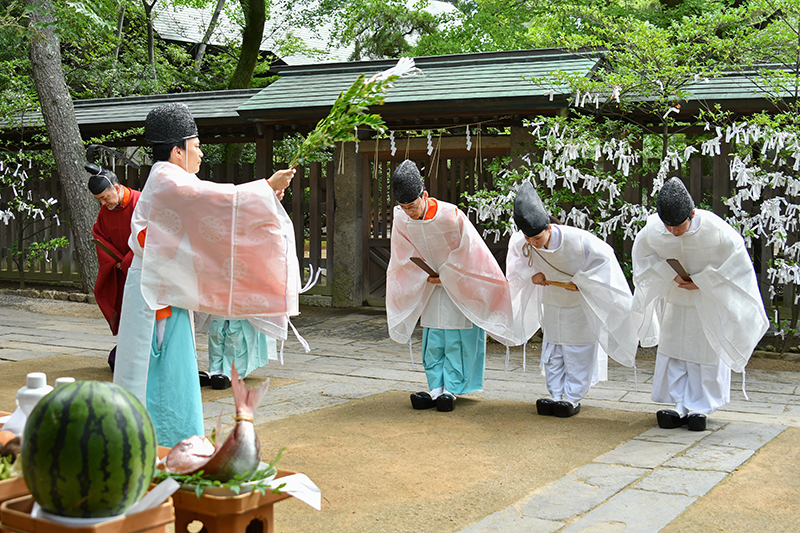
465, 297
567, 282
198, 246
704, 326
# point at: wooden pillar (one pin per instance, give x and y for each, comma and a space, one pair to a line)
264, 153
522, 144
696, 179
347, 289
722, 179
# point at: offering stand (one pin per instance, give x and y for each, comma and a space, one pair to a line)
227, 514
16, 518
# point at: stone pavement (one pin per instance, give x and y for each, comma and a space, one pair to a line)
643, 484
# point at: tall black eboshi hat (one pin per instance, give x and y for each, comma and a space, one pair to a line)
530, 214
674, 203
169, 123
101, 179
407, 184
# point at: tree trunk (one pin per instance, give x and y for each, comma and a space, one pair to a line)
20, 258
120, 24
65, 137
201, 49
255, 15
151, 42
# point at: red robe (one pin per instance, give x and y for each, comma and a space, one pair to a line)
113, 228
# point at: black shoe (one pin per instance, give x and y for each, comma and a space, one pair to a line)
205, 379
696, 422
565, 409
422, 400
220, 382
544, 406
112, 358
670, 419
445, 402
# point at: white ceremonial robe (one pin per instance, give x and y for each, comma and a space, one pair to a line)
215, 248
720, 323
598, 313
473, 287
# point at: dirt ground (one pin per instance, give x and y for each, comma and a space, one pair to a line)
761, 495
385, 467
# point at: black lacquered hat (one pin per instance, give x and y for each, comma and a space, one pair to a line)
530, 215
169, 123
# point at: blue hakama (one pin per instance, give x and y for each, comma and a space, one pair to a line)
454, 358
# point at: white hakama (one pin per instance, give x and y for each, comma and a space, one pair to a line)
701, 334
580, 329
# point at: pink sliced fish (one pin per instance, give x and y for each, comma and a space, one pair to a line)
187, 455
239, 454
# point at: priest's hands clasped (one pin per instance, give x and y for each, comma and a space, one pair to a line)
683, 284
540, 279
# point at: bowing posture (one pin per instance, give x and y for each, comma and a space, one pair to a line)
465, 296
705, 325
111, 233
567, 282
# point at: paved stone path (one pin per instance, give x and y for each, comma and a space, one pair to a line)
643, 484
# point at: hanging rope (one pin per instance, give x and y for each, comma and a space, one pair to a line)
524, 356
437, 152
341, 159
375, 166
479, 153
744, 378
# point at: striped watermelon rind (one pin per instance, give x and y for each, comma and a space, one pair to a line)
88, 450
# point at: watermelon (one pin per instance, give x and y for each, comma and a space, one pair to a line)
88, 450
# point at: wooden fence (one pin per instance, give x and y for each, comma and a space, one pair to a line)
449, 176
309, 203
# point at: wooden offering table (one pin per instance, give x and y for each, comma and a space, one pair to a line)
16, 518
241, 513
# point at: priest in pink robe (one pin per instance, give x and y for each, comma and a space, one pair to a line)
465, 298
198, 246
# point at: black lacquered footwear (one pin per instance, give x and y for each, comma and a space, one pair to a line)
696, 422
544, 406
220, 382
445, 402
669, 419
566, 409
422, 400
205, 379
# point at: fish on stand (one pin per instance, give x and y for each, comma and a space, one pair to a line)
240, 453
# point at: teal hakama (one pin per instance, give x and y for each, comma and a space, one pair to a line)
237, 342
454, 358
173, 400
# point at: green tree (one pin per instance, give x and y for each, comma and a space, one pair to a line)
62, 128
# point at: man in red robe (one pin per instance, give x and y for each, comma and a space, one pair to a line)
111, 233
